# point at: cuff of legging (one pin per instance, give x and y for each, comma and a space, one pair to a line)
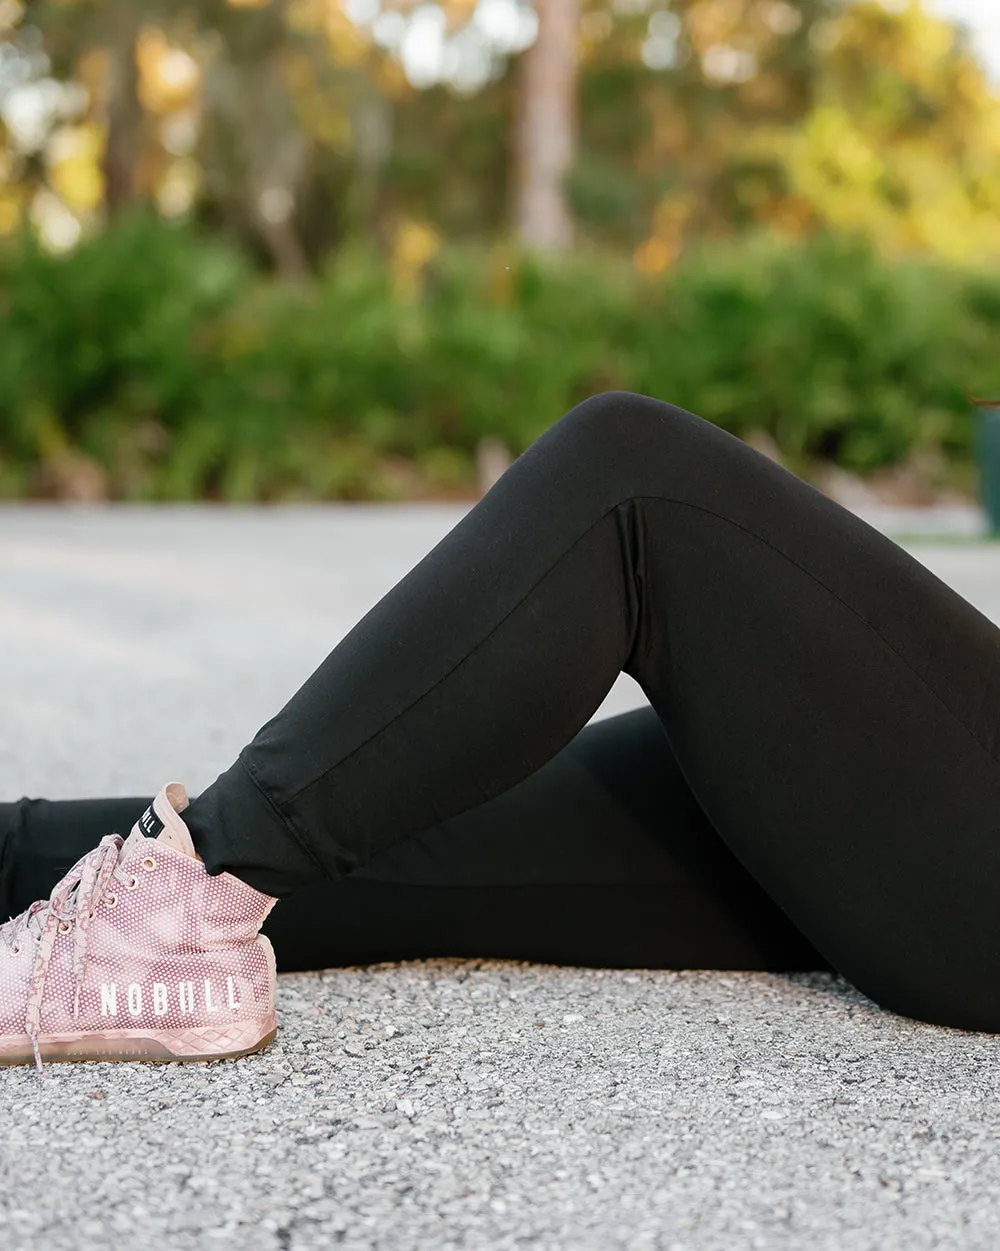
237, 829
11, 823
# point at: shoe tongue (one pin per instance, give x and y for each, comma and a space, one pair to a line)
162, 822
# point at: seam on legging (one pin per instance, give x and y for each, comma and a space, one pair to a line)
663, 499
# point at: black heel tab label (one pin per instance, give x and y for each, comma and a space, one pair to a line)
150, 823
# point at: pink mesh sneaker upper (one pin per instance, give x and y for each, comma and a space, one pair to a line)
137, 936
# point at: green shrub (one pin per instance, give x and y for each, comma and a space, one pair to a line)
158, 357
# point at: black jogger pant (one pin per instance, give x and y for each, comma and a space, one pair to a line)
831, 704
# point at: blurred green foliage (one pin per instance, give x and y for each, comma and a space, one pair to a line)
157, 361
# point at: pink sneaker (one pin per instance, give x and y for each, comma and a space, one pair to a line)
139, 954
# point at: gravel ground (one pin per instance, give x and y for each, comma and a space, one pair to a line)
436, 1104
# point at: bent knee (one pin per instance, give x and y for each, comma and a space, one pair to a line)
619, 421
618, 445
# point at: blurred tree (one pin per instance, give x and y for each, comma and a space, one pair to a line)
901, 144
545, 127
226, 106
636, 125
253, 147
123, 110
668, 96
97, 39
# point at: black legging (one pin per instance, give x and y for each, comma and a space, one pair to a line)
831, 704
601, 857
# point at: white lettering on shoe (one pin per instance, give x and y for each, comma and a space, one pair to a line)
159, 996
186, 992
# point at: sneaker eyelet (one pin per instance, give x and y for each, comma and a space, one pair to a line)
64, 927
149, 864
111, 901
132, 883
15, 951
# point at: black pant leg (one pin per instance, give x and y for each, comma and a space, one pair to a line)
41, 839
601, 857
614, 865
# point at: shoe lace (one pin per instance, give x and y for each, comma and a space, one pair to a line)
71, 904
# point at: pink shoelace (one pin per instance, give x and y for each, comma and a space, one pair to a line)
71, 905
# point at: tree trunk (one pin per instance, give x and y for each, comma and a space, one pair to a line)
124, 118
373, 117
545, 133
285, 248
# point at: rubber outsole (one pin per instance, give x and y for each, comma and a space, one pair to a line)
145, 1051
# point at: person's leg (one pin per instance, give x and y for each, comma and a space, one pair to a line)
833, 705
601, 857
41, 839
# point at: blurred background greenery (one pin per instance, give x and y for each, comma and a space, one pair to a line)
370, 249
